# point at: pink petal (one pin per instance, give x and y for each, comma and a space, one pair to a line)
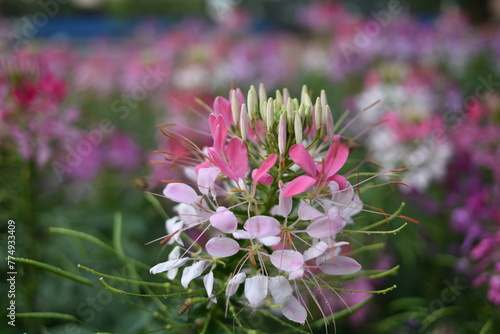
264, 168
340, 179
206, 180
301, 157
256, 289
280, 289
223, 166
219, 133
192, 272
307, 212
211, 123
262, 226
239, 95
299, 185
315, 251
237, 157
293, 310
340, 265
224, 220
266, 179
234, 283
335, 158
287, 260
223, 107
172, 264
326, 226
222, 247
180, 192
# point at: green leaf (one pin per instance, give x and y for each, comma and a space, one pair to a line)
55, 270
54, 315
187, 292
82, 235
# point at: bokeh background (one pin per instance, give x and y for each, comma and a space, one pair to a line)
85, 83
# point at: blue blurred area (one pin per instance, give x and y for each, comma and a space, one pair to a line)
93, 26
107, 26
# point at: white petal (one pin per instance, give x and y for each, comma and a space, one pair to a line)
280, 289
187, 213
326, 226
180, 192
342, 197
222, 247
262, 226
297, 273
174, 255
353, 208
234, 283
241, 234
164, 266
270, 241
284, 203
340, 265
307, 212
206, 180
256, 289
294, 311
224, 220
287, 260
173, 225
208, 282
315, 251
192, 272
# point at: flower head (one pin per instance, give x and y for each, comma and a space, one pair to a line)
270, 195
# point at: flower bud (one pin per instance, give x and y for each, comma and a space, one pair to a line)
244, 120
235, 108
252, 102
269, 119
304, 95
298, 129
279, 98
302, 111
324, 100
282, 134
286, 94
318, 115
289, 109
262, 93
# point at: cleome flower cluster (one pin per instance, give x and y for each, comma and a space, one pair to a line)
268, 199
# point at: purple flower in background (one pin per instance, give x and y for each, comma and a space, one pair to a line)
122, 152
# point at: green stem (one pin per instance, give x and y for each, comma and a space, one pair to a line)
376, 232
209, 318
